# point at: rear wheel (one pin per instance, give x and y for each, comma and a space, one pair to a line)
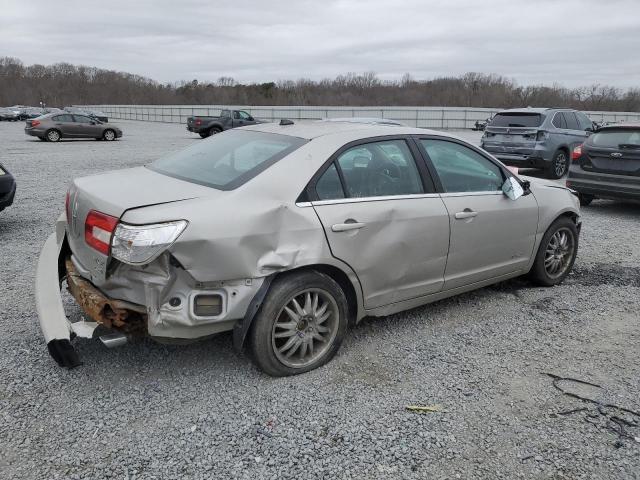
585, 199
214, 130
204, 134
52, 135
559, 165
556, 253
109, 135
300, 325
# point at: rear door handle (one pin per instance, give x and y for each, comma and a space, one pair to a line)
466, 214
345, 227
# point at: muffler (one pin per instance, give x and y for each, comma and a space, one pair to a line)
113, 340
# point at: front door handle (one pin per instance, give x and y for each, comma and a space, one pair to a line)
347, 226
467, 213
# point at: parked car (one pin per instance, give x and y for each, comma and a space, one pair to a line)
95, 114
207, 126
32, 112
286, 234
607, 165
7, 188
53, 127
536, 137
9, 115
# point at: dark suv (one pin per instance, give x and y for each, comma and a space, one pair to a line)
607, 165
536, 137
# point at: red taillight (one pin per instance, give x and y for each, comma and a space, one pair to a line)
35, 123
576, 154
198, 121
98, 229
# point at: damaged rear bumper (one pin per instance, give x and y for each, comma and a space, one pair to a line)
53, 320
152, 309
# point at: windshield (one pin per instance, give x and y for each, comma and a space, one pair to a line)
517, 119
227, 160
616, 138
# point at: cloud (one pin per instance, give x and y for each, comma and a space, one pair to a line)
572, 42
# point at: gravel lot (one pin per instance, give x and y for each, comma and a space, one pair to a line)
200, 411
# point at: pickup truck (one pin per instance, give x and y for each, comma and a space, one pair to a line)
207, 126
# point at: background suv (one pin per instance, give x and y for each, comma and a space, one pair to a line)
536, 137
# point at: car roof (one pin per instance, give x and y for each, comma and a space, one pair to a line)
317, 128
539, 110
630, 125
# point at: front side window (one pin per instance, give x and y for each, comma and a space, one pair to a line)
462, 169
244, 115
584, 121
570, 120
82, 119
380, 169
229, 159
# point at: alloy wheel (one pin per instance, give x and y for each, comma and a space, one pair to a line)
560, 164
559, 253
305, 328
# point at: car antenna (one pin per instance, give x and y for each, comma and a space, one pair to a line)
286, 121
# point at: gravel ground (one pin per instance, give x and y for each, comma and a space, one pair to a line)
200, 411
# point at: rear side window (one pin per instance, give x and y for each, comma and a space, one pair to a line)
227, 160
618, 139
517, 119
380, 169
328, 186
62, 118
584, 121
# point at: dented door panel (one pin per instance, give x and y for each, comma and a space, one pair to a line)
399, 252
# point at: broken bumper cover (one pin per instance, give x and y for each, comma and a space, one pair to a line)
53, 320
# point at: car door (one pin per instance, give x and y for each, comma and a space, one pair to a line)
65, 124
491, 235
382, 216
86, 127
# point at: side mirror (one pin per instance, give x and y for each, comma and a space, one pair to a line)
512, 188
251, 119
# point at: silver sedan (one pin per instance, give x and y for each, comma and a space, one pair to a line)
288, 233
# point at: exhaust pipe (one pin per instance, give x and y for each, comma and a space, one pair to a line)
113, 340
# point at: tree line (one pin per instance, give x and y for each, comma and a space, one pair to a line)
63, 84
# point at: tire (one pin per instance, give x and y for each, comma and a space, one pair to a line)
109, 135
549, 269
559, 165
53, 135
214, 130
204, 134
284, 338
585, 199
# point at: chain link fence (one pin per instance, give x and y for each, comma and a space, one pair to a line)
445, 118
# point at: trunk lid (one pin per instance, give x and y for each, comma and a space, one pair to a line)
113, 194
614, 151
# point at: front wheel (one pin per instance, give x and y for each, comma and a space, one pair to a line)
300, 325
109, 135
556, 253
559, 165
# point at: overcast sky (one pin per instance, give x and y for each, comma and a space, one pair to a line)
572, 42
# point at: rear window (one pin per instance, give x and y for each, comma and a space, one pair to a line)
616, 138
227, 160
517, 120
